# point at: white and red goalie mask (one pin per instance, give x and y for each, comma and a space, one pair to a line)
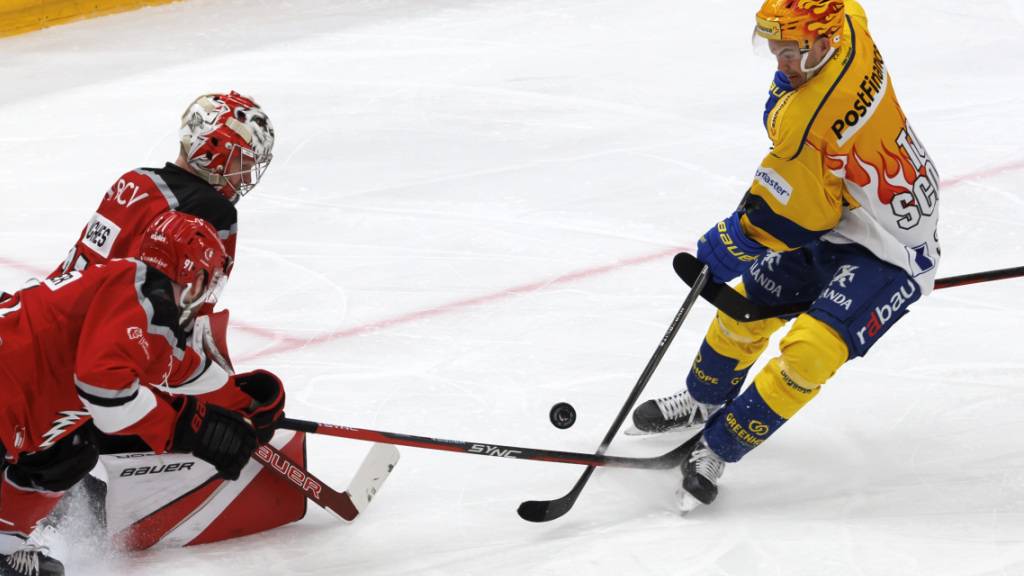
228, 141
187, 250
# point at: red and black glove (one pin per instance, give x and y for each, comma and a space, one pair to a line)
214, 434
267, 406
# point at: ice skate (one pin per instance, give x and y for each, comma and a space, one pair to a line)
31, 560
701, 470
676, 412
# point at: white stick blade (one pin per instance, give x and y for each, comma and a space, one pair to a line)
375, 469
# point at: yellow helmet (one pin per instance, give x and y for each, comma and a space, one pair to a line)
803, 21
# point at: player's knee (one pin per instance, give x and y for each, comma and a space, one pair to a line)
813, 350
811, 353
744, 341
725, 357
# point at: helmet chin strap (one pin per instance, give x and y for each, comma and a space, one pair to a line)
810, 72
210, 294
189, 308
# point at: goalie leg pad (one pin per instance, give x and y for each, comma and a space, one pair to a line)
176, 500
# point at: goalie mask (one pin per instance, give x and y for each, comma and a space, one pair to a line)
187, 250
227, 140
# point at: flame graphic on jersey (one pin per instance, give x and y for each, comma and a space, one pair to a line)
68, 419
880, 172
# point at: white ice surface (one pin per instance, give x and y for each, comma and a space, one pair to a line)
471, 216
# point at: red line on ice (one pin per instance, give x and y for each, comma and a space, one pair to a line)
284, 343
985, 173
30, 270
289, 343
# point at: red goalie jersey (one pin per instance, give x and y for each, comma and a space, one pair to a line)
115, 230
89, 344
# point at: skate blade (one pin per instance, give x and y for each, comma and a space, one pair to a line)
634, 431
686, 502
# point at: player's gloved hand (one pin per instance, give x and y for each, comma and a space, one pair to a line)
267, 407
214, 434
726, 249
60, 466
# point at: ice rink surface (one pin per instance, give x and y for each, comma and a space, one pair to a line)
471, 216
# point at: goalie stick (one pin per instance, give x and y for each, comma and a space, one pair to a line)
663, 462
547, 510
734, 304
372, 473
347, 505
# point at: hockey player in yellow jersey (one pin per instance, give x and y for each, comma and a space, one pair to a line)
843, 211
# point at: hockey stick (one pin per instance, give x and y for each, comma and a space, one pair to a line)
374, 470
734, 304
547, 510
664, 462
978, 277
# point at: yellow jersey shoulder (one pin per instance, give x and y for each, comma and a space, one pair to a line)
856, 12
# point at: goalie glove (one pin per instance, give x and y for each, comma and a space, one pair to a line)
214, 434
267, 406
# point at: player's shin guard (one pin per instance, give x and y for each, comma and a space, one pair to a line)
715, 378
811, 353
741, 426
21, 508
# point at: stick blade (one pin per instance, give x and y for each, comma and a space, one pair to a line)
548, 510
543, 510
370, 477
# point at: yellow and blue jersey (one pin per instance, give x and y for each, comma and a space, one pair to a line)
845, 166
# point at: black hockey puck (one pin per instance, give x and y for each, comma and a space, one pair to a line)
563, 415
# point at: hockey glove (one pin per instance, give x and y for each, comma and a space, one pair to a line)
726, 249
60, 466
214, 434
267, 406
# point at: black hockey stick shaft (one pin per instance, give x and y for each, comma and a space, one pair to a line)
735, 305
546, 510
977, 277
663, 462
